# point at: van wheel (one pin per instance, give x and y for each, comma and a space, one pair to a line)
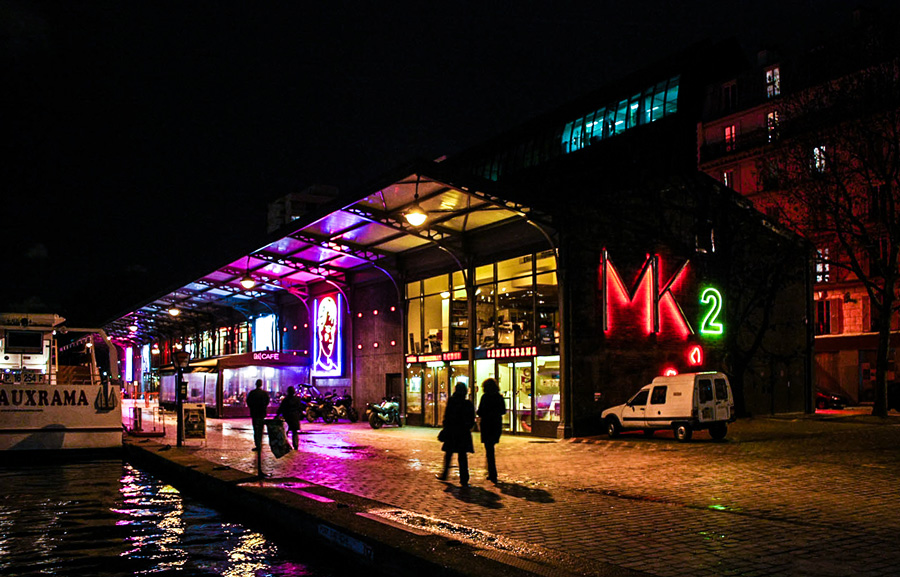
613, 428
718, 431
683, 432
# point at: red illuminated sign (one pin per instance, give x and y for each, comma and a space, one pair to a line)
653, 302
437, 357
695, 356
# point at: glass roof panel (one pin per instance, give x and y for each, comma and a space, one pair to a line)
347, 261
286, 245
402, 244
245, 262
334, 223
317, 254
369, 234
477, 219
219, 292
218, 276
275, 270
303, 277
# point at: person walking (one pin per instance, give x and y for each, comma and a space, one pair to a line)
291, 408
258, 402
459, 418
491, 409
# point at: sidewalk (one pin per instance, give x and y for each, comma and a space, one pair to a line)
794, 495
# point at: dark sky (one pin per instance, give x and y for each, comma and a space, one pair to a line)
143, 140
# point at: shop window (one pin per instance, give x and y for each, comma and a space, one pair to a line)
484, 315
459, 321
414, 325
484, 274
514, 267
436, 313
547, 309
436, 285
515, 312
547, 389
829, 316
414, 289
773, 82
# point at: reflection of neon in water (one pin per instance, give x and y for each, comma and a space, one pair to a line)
327, 339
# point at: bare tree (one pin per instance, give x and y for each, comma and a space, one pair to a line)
838, 169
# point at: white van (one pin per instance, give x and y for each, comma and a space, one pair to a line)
683, 403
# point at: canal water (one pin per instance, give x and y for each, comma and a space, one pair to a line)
107, 518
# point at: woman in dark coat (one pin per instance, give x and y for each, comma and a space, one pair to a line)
291, 408
491, 409
459, 418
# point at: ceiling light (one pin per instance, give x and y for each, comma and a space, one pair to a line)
416, 216
174, 311
247, 281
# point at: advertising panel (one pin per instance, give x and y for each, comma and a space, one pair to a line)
327, 340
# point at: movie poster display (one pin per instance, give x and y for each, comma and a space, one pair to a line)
328, 326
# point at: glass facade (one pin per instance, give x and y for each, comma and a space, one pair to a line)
516, 333
649, 105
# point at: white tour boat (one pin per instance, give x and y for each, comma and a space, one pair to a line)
52, 396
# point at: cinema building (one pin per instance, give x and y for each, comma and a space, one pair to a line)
573, 259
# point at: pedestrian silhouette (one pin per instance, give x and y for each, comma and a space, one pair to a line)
491, 409
459, 418
291, 408
258, 403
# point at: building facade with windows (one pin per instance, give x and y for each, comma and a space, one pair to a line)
573, 259
778, 122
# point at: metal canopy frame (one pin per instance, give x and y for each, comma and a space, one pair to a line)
336, 244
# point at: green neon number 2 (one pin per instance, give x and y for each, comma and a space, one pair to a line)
711, 325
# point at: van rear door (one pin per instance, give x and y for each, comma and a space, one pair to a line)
723, 402
706, 400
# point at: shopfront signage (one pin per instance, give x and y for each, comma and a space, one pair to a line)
266, 356
327, 340
508, 352
651, 305
435, 358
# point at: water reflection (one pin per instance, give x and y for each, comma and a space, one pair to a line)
106, 518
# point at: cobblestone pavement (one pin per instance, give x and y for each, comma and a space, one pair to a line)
808, 495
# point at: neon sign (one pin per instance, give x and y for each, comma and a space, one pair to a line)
650, 306
695, 356
327, 353
710, 325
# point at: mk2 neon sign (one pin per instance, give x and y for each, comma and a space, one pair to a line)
650, 304
327, 340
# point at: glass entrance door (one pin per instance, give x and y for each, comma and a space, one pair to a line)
517, 387
435, 388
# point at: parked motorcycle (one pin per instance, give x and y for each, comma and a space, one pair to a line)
344, 406
385, 413
321, 407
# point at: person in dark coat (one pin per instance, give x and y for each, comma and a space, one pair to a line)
258, 402
459, 418
491, 409
291, 408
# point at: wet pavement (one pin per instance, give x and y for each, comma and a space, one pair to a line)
794, 495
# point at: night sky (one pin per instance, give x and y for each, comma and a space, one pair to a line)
143, 140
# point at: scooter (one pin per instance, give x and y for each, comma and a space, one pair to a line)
344, 406
385, 413
321, 407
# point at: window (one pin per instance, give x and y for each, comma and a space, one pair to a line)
729, 96
773, 82
819, 159
659, 396
829, 316
640, 399
730, 137
728, 178
823, 266
772, 125
721, 390
705, 390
